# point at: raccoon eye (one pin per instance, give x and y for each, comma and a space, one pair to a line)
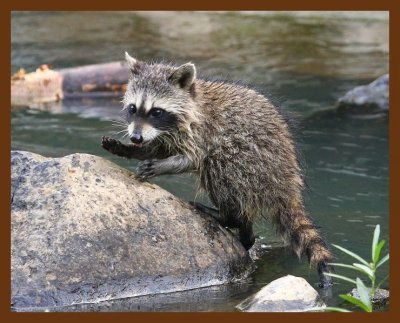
156, 112
132, 108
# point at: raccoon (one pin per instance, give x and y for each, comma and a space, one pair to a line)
237, 142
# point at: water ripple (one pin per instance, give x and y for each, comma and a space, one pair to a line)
348, 172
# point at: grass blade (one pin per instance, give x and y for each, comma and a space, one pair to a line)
342, 277
382, 261
366, 270
345, 266
364, 294
378, 251
375, 240
336, 309
381, 282
355, 301
337, 264
352, 254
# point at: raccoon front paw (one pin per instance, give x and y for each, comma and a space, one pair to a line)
147, 169
109, 144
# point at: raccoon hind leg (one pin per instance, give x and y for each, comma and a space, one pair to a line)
231, 219
225, 221
238, 219
246, 234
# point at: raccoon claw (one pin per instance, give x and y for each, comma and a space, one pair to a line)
109, 143
146, 169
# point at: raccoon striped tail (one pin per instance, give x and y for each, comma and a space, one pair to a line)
298, 229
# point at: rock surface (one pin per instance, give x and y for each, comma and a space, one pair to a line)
286, 294
373, 94
381, 296
85, 230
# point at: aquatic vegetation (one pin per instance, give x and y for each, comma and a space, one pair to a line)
368, 269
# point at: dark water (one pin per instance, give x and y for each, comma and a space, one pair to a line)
306, 61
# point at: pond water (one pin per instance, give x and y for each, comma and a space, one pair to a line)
304, 60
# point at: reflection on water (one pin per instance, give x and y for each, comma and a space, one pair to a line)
305, 60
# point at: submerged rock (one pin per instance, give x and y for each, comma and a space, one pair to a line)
375, 94
85, 230
285, 294
381, 296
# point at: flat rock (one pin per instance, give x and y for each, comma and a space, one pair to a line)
85, 230
285, 294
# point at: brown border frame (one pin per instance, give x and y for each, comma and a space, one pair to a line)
5, 129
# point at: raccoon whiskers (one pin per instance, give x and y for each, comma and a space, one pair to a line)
123, 133
119, 123
126, 135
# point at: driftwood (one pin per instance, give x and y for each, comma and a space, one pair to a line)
47, 85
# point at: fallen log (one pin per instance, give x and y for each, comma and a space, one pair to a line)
48, 85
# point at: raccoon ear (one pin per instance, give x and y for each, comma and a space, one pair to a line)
133, 64
183, 76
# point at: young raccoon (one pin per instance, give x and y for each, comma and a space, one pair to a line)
236, 141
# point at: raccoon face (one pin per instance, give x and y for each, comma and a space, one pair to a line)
145, 124
156, 99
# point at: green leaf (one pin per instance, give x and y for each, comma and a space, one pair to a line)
382, 261
366, 270
336, 309
378, 251
346, 266
364, 293
382, 281
352, 254
375, 240
355, 301
341, 277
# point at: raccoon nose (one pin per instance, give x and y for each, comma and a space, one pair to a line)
136, 138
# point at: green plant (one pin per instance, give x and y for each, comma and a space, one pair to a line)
366, 268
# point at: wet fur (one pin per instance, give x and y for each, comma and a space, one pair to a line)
241, 148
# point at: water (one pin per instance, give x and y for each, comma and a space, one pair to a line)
305, 60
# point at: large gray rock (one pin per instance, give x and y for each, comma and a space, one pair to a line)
85, 230
285, 294
374, 94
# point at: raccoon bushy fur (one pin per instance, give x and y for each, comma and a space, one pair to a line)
234, 138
